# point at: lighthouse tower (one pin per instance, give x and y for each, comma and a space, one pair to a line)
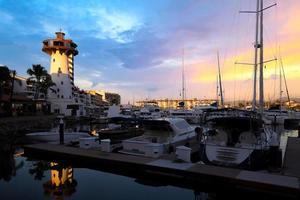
62, 52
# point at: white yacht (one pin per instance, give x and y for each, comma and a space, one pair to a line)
53, 137
149, 112
190, 116
160, 136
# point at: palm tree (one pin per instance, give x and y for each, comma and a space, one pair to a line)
46, 84
39, 78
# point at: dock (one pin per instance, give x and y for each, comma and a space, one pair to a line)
291, 163
194, 176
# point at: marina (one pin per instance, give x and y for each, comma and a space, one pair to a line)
150, 100
180, 173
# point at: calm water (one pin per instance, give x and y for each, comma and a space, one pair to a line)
35, 180
23, 178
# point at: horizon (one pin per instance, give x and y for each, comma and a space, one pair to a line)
135, 49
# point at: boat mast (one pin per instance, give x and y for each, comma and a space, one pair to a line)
255, 57
261, 60
220, 81
183, 79
217, 90
286, 87
258, 45
280, 88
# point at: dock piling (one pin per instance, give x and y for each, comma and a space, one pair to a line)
299, 130
61, 131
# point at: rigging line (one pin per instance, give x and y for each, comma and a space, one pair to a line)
232, 30
269, 42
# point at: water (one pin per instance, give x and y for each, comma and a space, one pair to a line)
33, 180
24, 178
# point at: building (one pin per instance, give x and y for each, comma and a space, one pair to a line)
174, 103
112, 98
62, 52
17, 97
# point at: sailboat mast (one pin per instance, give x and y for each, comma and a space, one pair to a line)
261, 60
183, 78
280, 88
286, 87
220, 81
255, 57
217, 90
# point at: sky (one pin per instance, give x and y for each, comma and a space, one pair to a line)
135, 47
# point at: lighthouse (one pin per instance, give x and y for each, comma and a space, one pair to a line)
62, 52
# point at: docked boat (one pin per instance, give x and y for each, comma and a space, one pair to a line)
53, 137
191, 116
161, 136
121, 128
237, 140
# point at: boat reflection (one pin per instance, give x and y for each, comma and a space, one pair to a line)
62, 183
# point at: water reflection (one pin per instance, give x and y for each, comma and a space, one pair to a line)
38, 169
8, 165
61, 183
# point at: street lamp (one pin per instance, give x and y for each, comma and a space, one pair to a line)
13, 74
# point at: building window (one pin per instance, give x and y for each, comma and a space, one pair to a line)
62, 82
53, 59
58, 96
57, 89
62, 96
59, 70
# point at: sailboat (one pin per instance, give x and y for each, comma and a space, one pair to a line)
191, 116
239, 138
276, 114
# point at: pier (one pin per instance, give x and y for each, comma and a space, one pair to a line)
291, 164
168, 171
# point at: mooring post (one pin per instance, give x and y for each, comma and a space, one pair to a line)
61, 131
299, 130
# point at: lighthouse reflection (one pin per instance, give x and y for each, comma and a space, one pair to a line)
62, 183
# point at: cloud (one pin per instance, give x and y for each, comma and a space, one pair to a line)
83, 83
5, 17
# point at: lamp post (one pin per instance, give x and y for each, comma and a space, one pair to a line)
13, 74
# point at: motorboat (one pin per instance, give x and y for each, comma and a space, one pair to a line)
53, 137
121, 128
191, 116
160, 137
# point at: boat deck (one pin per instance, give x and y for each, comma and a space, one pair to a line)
291, 163
189, 175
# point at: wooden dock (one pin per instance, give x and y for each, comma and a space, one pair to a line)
291, 163
190, 175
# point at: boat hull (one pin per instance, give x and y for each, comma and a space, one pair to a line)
243, 158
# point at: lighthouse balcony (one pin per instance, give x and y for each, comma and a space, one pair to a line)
62, 45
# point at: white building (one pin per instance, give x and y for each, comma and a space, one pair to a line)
62, 52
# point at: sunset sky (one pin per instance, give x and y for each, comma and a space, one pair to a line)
134, 47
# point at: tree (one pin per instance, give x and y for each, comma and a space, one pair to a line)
39, 78
5, 78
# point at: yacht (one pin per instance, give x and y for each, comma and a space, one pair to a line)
160, 137
149, 112
53, 137
240, 138
237, 139
191, 116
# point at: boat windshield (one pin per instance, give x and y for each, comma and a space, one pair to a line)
183, 125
